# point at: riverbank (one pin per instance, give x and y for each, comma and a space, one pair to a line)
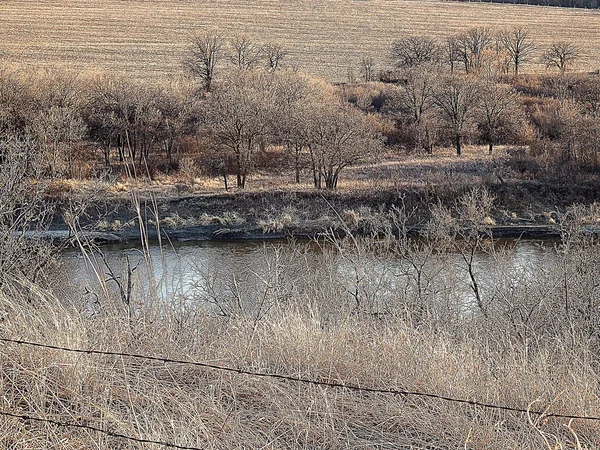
528, 199
281, 214
215, 233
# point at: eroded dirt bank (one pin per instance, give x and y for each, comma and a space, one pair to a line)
527, 209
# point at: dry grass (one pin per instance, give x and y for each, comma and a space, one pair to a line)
325, 37
336, 314
307, 333
393, 170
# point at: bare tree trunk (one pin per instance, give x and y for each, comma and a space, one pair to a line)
336, 177
107, 154
225, 181
429, 145
238, 167
316, 173
297, 163
329, 180
169, 150
131, 146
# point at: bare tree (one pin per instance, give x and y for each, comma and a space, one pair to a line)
296, 98
274, 53
561, 55
367, 68
238, 115
56, 129
339, 136
417, 96
518, 46
498, 114
452, 54
179, 113
125, 114
414, 51
456, 99
204, 53
471, 45
243, 53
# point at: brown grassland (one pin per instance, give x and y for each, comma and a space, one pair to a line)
324, 37
455, 313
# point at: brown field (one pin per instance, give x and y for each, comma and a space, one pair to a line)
147, 38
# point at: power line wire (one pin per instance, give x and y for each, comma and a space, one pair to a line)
304, 380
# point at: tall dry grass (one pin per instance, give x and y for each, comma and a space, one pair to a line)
203, 408
353, 312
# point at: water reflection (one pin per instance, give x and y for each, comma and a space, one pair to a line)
241, 273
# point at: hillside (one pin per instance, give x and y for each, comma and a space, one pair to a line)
325, 37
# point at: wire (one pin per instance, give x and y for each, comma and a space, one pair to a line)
305, 380
99, 430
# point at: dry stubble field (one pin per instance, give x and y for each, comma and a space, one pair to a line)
147, 38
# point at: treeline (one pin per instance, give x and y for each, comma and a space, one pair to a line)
589, 4
241, 111
469, 88
66, 119
482, 51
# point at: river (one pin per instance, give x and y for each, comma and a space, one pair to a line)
236, 274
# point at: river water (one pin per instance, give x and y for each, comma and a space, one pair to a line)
227, 274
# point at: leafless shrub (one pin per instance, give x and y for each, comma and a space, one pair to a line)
24, 214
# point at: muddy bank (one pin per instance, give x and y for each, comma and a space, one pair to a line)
527, 210
216, 233
254, 233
